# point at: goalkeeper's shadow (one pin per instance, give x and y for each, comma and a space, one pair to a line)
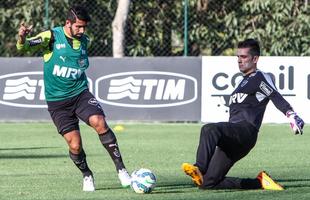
295, 183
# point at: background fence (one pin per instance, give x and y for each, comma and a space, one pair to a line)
172, 27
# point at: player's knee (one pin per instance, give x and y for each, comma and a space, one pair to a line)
75, 147
98, 123
208, 128
95, 120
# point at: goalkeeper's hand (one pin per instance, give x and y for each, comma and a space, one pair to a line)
296, 122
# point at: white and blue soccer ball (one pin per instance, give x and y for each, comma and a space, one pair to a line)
143, 181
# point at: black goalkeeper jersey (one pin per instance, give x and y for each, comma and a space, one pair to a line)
249, 100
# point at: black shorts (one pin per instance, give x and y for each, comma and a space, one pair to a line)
65, 113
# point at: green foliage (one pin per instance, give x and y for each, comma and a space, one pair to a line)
156, 28
151, 26
280, 26
13, 12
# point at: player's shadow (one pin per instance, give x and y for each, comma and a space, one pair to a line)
27, 155
25, 148
110, 188
168, 188
175, 185
295, 183
172, 188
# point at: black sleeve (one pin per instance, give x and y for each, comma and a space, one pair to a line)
268, 88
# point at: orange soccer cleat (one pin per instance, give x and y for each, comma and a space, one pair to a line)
193, 172
267, 182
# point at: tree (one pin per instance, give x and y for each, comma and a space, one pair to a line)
155, 28
118, 27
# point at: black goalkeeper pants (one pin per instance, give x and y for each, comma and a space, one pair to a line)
221, 145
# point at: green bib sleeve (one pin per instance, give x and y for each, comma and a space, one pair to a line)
39, 42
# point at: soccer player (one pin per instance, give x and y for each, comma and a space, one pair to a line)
66, 90
222, 144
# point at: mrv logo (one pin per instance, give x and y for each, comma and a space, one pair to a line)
24, 89
146, 89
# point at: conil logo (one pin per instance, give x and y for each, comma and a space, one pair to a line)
146, 89
23, 89
224, 84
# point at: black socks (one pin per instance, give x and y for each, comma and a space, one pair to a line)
109, 141
80, 161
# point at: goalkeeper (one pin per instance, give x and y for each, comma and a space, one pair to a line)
222, 144
66, 90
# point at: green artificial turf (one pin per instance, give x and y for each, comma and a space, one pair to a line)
34, 163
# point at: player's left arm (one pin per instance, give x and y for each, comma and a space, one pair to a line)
40, 42
268, 88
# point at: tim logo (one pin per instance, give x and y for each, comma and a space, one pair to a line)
146, 89
24, 89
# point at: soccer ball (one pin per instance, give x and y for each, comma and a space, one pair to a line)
143, 181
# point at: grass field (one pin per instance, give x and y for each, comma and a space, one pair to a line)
34, 163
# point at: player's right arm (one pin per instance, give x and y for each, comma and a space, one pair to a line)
40, 42
268, 88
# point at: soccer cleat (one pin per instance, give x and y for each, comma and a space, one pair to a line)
88, 184
193, 172
267, 182
124, 177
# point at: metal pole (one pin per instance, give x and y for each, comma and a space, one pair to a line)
46, 15
185, 27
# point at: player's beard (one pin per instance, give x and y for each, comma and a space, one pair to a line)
76, 36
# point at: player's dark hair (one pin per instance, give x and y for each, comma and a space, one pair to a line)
252, 44
78, 12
